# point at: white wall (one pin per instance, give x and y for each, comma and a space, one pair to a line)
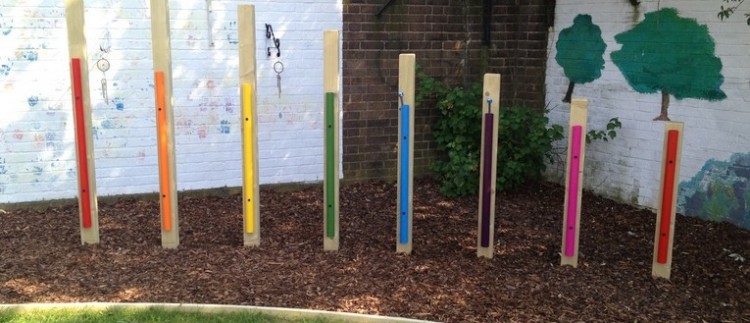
37, 156
628, 168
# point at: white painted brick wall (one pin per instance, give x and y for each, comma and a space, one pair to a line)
37, 156
628, 168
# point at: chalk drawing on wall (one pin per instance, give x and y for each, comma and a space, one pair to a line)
6, 25
580, 51
670, 54
720, 191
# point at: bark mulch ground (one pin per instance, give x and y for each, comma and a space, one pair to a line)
42, 260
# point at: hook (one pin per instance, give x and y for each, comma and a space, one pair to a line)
489, 105
401, 98
276, 41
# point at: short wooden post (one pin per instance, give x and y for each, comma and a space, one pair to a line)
248, 81
488, 166
170, 236
404, 229
331, 135
665, 216
87, 203
574, 182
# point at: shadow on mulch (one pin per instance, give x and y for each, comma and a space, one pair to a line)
42, 260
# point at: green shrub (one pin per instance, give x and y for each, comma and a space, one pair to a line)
525, 140
525, 146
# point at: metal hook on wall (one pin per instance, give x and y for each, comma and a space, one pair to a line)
276, 41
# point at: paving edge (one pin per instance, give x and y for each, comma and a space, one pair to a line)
213, 308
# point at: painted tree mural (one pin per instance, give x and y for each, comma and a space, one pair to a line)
671, 54
580, 51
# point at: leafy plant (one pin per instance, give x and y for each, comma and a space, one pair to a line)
525, 146
604, 135
524, 136
728, 11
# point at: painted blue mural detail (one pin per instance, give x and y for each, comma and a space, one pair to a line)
720, 191
6, 25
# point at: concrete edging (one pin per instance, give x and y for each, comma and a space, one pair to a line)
213, 308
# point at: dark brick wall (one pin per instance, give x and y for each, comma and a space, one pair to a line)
446, 36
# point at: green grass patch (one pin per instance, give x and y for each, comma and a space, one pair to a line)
146, 315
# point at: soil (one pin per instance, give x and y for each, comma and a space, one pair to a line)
42, 259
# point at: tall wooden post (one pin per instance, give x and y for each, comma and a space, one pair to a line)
574, 182
79, 72
665, 216
331, 135
406, 73
488, 166
248, 81
170, 236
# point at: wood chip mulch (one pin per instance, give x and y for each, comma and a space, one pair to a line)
42, 260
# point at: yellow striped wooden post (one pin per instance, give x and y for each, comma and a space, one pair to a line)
87, 203
170, 236
250, 178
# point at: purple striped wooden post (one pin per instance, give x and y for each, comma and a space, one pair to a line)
488, 166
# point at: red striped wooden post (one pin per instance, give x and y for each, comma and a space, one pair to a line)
667, 199
79, 75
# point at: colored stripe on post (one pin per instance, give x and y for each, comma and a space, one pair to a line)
80, 124
249, 158
403, 236
667, 196
330, 166
163, 143
489, 119
573, 182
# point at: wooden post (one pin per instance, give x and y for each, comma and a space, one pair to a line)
488, 166
404, 229
248, 83
574, 182
87, 203
170, 236
665, 216
331, 135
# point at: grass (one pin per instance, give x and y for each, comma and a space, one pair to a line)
150, 315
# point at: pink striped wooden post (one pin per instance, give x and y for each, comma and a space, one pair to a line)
574, 182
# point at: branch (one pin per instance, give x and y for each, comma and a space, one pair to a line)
726, 12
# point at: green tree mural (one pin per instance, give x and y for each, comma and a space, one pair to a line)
671, 54
580, 51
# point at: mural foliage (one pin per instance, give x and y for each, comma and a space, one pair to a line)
720, 191
580, 51
670, 54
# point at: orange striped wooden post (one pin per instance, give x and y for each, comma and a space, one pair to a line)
87, 203
170, 237
667, 199
250, 178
